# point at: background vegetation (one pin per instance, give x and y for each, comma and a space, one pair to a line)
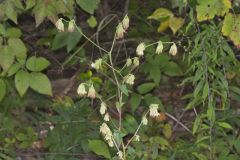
197, 90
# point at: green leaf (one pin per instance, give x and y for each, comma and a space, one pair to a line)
13, 33
208, 9
155, 74
92, 22
22, 82
145, 88
6, 57
88, 5
173, 69
231, 28
167, 130
13, 69
196, 124
225, 125
205, 91
135, 101
161, 13
18, 48
3, 88
124, 89
175, 24
11, 12
30, 4
72, 40
40, 83
37, 63
40, 13
130, 123
99, 148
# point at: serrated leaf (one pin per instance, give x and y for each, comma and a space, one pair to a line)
231, 28
160, 13
40, 83
88, 5
208, 9
18, 48
37, 63
145, 88
3, 88
22, 82
99, 148
175, 23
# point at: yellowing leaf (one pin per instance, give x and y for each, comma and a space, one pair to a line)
167, 131
163, 26
161, 13
175, 23
208, 9
231, 28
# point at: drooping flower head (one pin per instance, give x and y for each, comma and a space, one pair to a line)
120, 31
92, 92
154, 110
159, 48
59, 25
125, 22
173, 50
81, 90
71, 26
129, 79
140, 49
103, 108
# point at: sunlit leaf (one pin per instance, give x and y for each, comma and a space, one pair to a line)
22, 82
37, 63
161, 13
175, 24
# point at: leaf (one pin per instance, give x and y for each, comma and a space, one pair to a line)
145, 88
92, 22
99, 148
173, 69
18, 48
225, 125
155, 74
13, 69
40, 83
88, 5
11, 12
30, 4
37, 63
161, 13
163, 26
135, 101
196, 124
22, 82
130, 123
40, 13
124, 89
72, 40
13, 33
3, 88
6, 58
208, 9
175, 24
231, 28
167, 131
205, 91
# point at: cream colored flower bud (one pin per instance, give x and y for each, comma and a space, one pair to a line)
144, 120
125, 22
140, 48
173, 50
137, 138
159, 48
59, 25
129, 62
71, 26
97, 64
120, 155
129, 79
154, 110
81, 90
92, 92
120, 31
106, 117
103, 108
136, 61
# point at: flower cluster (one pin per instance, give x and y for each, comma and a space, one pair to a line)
122, 27
82, 91
107, 134
60, 25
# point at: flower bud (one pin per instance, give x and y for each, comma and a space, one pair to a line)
159, 48
120, 31
137, 138
81, 90
129, 79
59, 25
140, 48
173, 50
103, 108
125, 22
136, 61
106, 117
71, 26
144, 120
129, 62
92, 92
